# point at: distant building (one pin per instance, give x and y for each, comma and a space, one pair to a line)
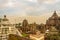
33, 28
28, 28
41, 27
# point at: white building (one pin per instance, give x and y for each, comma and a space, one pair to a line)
6, 28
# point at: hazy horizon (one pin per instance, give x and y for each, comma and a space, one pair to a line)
31, 19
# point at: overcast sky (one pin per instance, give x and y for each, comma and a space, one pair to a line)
38, 10
28, 7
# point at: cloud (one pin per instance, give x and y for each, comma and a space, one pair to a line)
28, 7
35, 11
48, 1
8, 3
32, 0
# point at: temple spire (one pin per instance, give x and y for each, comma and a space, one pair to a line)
4, 16
54, 14
54, 11
5, 19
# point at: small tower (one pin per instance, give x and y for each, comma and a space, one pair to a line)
5, 19
25, 23
4, 16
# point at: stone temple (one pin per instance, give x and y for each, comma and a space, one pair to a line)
6, 28
54, 20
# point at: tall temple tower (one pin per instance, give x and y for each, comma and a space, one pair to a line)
25, 23
6, 28
25, 26
53, 26
53, 20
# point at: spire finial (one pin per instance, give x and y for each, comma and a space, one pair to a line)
54, 14
4, 16
54, 11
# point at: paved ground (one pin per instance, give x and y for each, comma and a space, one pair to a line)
37, 37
